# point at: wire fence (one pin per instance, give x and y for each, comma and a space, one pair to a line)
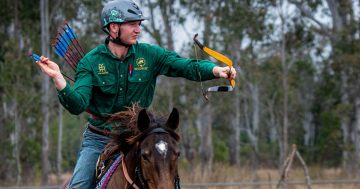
224, 184
267, 183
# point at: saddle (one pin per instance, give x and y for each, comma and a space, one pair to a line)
107, 158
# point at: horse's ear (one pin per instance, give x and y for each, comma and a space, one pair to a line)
173, 120
143, 121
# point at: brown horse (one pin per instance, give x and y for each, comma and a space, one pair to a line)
149, 148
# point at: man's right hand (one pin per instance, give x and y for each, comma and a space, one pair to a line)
51, 69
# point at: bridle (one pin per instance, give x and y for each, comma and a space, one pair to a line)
138, 172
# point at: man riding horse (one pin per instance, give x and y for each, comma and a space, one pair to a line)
115, 75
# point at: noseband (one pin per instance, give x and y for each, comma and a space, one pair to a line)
138, 172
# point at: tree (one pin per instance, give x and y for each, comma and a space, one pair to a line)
344, 42
235, 31
44, 16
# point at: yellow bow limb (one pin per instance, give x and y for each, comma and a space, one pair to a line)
218, 56
232, 82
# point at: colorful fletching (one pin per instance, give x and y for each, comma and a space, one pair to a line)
67, 46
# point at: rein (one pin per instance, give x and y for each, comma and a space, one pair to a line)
138, 174
126, 174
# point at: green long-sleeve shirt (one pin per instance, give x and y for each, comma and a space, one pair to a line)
105, 84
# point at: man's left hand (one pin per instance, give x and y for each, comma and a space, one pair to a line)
224, 72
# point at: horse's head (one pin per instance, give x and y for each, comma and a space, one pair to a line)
158, 150
154, 151
149, 145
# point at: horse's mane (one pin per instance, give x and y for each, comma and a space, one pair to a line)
125, 131
126, 120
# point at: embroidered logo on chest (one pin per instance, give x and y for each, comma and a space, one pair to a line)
140, 64
102, 70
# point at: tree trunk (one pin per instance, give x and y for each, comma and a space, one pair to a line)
17, 31
188, 132
274, 126
235, 124
255, 118
44, 17
153, 30
309, 129
234, 138
204, 125
188, 139
166, 10
17, 147
337, 19
17, 114
356, 133
59, 146
285, 86
340, 20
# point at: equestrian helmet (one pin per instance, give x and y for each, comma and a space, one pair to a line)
120, 11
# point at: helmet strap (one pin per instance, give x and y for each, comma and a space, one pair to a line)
117, 40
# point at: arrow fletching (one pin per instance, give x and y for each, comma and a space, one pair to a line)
35, 57
67, 46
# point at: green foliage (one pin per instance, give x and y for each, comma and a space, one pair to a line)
20, 87
29, 13
30, 153
328, 137
73, 127
220, 149
328, 141
5, 13
72, 135
231, 19
7, 156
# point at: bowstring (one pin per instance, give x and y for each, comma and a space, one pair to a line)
204, 93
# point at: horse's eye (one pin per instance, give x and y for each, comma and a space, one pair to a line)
176, 155
145, 155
